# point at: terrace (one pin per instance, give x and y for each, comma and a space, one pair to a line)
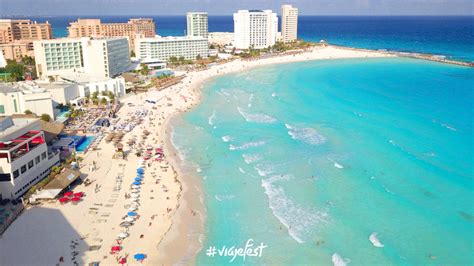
21, 145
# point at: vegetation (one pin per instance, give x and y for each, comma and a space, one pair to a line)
16, 70
144, 70
28, 112
103, 101
132, 54
179, 61
45, 117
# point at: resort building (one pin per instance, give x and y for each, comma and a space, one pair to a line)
88, 85
96, 57
95, 28
17, 49
11, 30
197, 24
16, 98
289, 23
163, 48
24, 156
255, 29
17, 36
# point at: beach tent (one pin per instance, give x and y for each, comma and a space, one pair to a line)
122, 235
139, 256
129, 219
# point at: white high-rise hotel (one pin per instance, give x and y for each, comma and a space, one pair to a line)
255, 29
197, 24
289, 23
96, 57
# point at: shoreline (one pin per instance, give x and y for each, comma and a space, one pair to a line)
184, 238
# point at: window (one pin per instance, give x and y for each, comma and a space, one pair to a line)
37, 159
43, 155
23, 169
4, 177
30, 164
16, 174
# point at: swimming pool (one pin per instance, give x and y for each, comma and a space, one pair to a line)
160, 73
82, 145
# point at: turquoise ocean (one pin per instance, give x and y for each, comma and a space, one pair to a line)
354, 161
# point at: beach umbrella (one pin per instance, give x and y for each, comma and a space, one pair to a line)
75, 199
126, 224
135, 195
123, 261
115, 248
122, 235
138, 179
136, 183
79, 194
136, 199
132, 214
68, 194
136, 186
129, 219
139, 256
132, 208
140, 170
63, 200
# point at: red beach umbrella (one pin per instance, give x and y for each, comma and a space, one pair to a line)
75, 199
123, 261
79, 194
115, 248
68, 194
63, 200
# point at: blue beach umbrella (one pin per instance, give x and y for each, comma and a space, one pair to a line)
132, 214
136, 183
139, 256
138, 179
140, 170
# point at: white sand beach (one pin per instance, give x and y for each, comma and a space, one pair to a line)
171, 210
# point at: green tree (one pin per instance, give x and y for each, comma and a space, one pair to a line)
173, 60
95, 95
51, 79
198, 57
45, 117
28, 112
16, 70
144, 70
132, 53
103, 101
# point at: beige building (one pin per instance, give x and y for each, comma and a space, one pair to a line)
11, 30
144, 27
289, 23
17, 49
17, 36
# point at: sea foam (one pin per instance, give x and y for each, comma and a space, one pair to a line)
212, 118
227, 138
246, 145
375, 241
251, 158
337, 260
298, 220
256, 118
305, 134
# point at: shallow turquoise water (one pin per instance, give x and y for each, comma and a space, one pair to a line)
312, 158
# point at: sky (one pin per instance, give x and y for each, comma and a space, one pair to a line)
227, 7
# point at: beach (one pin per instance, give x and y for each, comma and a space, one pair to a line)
172, 211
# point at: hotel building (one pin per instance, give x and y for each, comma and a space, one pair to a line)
16, 98
24, 156
95, 28
255, 29
163, 48
289, 23
197, 24
96, 57
17, 36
